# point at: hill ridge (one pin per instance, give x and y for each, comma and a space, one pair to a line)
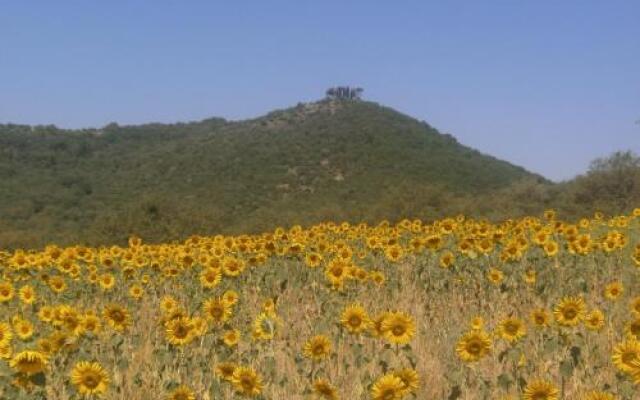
338, 159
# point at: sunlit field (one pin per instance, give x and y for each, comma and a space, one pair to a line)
536, 308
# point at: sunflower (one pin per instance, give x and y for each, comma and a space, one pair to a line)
89, 378
5, 352
45, 314
447, 259
634, 305
540, 318
530, 277
231, 337
23, 329
136, 292
57, 284
632, 328
626, 354
388, 387
570, 311
594, 320
182, 392
324, 390
613, 290
45, 346
399, 328
107, 281
477, 323
317, 348
377, 277
355, 319
312, 260
485, 246
540, 390
473, 346
495, 276
582, 245
232, 266
210, 278
635, 373
6, 334
67, 317
225, 370
27, 294
512, 329
336, 272
179, 331
29, 362
217, 310
168, 304
269, 306
61, 341
551, 248
376, 325
6, 291
230, 297
360, 274
264, 326
93, 278
394, 253
117, 317
599, 396
200, 326
246, 381
174, 314
409, 378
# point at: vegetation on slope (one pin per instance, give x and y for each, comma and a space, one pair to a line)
339, 160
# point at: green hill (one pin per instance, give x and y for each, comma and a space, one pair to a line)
338, 160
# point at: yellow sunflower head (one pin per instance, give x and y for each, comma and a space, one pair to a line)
473, 346
399, 328
409, 378
225, 370
570, 311
599, 396
540, 318
540, 389
355, 319
512, 329
182, 392
117, 317
388, 387
89, 378
317, 348
29, 362
324, 390
246, 381
594, 320
613, 290
626, 355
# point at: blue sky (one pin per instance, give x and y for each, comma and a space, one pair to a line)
548, 85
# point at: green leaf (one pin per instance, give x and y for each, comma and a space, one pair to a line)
455, 393
566, 368
575, 354
39, 379
504, 381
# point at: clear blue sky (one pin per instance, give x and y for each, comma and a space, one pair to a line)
545, 84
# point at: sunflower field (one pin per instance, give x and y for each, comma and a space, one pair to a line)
535, 308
